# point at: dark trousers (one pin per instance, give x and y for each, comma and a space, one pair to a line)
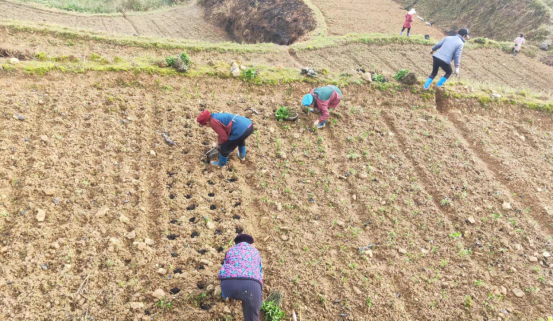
408, 30
438, 63
231, 145
247, 291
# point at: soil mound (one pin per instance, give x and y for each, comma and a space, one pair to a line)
281, 21
548, 60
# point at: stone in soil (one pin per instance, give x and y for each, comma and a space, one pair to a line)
40, 215
148, 241
124, 219
158, 294
131, 235
471, 220
506, 206
161, 271
518, 292
136, 305
533, 259
210, 225
284, 237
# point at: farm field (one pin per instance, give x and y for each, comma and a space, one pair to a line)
179, 22
408, 205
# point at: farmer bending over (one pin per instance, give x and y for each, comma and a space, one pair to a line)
232, 131
320, 100
450, 48
242, 276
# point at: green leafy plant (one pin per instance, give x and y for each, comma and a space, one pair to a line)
164, 305
272, 311
379, 78
170, 61
401, 74
185, 58
249, 74
282, 113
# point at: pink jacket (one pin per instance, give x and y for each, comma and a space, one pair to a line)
324, 105
408, 20
519, 42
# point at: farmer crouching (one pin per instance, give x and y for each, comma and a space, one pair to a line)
320, 100
232, 131
242, 276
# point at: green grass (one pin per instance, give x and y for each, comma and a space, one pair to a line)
106, 6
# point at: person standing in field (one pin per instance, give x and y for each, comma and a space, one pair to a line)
319, 100
518, 44
450, 48
242, 276
232, 131
408, 22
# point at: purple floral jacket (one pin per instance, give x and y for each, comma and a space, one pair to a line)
242, 261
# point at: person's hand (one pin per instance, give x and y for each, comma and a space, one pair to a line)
457, 71
216, 146
431, 52
316, 123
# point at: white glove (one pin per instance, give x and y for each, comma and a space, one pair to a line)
457, 71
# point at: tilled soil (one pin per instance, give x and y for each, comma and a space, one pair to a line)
389, 174
376, 16
486, 67
181, 22
483, 66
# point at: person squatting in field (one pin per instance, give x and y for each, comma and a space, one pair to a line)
242, 276
450, 48
232, 131
519, 41
320, 100
408, 22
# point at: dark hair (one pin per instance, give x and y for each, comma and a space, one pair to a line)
243, 238
463, 32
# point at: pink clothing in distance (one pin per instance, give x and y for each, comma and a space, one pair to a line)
519, 42
408, 20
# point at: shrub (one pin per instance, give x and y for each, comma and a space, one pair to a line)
401, 74
378, 78
481, 41
249, 74
185, 58
170, 61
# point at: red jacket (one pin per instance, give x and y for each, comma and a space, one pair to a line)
222, 131
408, 20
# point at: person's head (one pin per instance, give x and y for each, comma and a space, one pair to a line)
412, 11
464, 33
522, 35
243, 238
307, 100
203, 118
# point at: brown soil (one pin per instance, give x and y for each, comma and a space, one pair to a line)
376, 16
281, 22
181, 22
482, 65
390, 173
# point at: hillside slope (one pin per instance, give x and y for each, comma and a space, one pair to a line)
497, 19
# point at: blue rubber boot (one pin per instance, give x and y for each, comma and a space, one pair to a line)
222, 161
242, 152
321, 125
441, 82
428, 83
401, 33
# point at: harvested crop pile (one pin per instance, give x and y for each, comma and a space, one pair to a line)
281, 21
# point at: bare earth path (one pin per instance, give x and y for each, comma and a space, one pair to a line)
181, 22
